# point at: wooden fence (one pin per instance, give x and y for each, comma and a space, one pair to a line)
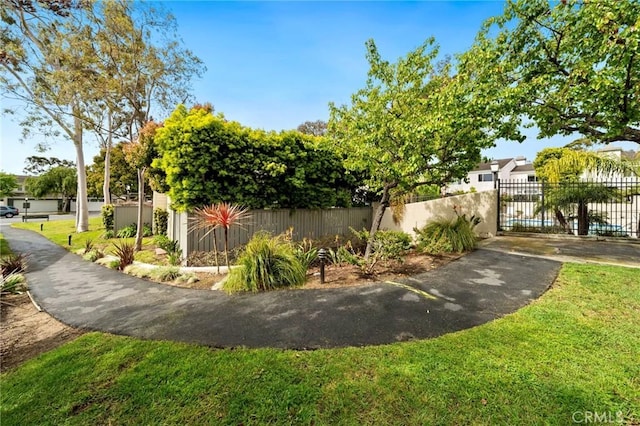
314, 224
125, 215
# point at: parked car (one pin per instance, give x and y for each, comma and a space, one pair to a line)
8, 211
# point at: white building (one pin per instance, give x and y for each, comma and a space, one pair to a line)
482, 177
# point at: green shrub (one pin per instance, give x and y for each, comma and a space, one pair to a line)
13, 264
391, 244
167, 273
266, 263
447, 236
174, 252
160, 221
93, 255
306, 253
108, 213
125, 253
137, 271
12, 284
128, 231
108, 234
146, 230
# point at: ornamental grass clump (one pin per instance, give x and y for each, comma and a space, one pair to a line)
448, 236
266, 263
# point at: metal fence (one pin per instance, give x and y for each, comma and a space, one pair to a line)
305, 223
605, 207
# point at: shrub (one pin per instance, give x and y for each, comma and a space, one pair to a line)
108, 234
12, 284
160, 221
167, 273
266, 263
88, 245
387, 245
306, 253
125, 253
174, 252
446, 236
137, 271
93, 255
146, 230
13, 264
108, 213
128, 231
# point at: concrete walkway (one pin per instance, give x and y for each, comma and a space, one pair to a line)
473, 290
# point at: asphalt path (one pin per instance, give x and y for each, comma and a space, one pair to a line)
475, 289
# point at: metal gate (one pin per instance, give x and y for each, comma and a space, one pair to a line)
605, 207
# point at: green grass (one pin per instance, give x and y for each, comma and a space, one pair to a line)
58, 231
576, 349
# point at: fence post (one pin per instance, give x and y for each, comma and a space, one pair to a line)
543, 209
499, 209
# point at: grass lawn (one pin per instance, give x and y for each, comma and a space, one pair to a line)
573, 351
58, 231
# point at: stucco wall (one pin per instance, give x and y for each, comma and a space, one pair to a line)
416, 215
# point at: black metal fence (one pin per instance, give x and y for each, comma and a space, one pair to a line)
606, 207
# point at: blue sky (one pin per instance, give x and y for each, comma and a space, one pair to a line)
274, 65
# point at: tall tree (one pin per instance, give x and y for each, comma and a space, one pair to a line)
122, 174
564, 168
45, 63
8, 184
567, 67
61, 181
412, 125
36, 165
314, 128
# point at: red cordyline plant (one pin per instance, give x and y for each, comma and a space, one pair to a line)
221, 215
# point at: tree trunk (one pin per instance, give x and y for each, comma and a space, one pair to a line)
106, 188
583, 218
377, 217
82, 207
140, 207
563, 222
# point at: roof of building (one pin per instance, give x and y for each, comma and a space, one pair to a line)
525, 168
487, 166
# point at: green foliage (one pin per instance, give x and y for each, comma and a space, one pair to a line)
128, 231
447, 236
164, 274
108, 213
13, 283
208, 159
108, 234
93, 255
8, 184
266, 263
58, 180
174, 252
125, 252
567, 67
122, 175
306, 252
160, 221
14, 263
386, 245
413, 124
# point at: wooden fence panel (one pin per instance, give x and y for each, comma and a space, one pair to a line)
314, 224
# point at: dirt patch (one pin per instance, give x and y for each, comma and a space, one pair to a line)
349, 275
26, 333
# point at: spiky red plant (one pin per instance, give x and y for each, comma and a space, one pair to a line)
229, 215
207, 218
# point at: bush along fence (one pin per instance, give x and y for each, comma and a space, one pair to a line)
306, 223
605, 208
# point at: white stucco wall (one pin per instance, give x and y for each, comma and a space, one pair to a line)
417, 215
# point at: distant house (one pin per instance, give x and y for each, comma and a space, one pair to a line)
482, 177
